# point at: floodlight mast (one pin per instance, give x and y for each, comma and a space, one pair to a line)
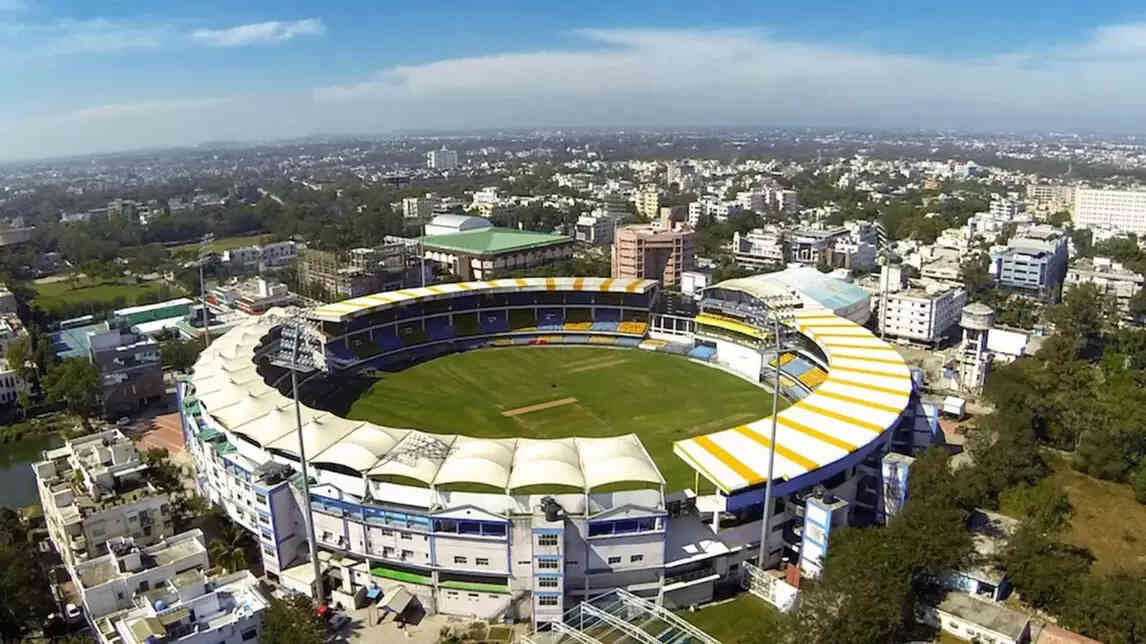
297, 322
761, 317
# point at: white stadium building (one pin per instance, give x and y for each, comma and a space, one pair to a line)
523, 528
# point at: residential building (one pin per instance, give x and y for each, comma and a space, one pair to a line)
130, 371
253, 297
1123, 210
984, 578
839, 247
648, 252
358, 271
976, 620
261, 256
1006, 208
1111, 278
760, 248
95, 488
114, 581
191, 608
442, 159
486, 199
596, 229
922, 311
417, 208
693, 282
450, 224
785, 201
751, 200
648, 202
1034, 262
1050, 196
486, 252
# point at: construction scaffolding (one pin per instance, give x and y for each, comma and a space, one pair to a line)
619, 617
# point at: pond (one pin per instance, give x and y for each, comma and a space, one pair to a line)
17, 483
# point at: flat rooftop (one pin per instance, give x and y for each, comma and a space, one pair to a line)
492, 241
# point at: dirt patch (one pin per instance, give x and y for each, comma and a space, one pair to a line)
612, 362
538, 407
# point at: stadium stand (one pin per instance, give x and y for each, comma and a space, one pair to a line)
634, 328
603, 339
814, 377
494, 322
702, 353
578, 315
411, 334
439, 328
362, 347
522, 320
466, 324
550, 319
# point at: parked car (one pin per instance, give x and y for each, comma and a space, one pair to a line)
73, 613
338, 622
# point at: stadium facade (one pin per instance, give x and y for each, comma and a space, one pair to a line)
523, 527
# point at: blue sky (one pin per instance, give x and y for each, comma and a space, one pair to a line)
101, 76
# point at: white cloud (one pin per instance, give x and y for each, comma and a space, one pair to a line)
733, 77
650, 77
20, 41
259, 33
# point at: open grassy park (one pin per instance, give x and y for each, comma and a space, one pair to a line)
558, 392
225, 243
69, 297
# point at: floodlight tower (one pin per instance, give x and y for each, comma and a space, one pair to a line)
309, 358
772, 311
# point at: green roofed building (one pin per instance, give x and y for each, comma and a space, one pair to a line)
484, 253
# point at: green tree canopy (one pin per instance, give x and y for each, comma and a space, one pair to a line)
292, 621
75, 383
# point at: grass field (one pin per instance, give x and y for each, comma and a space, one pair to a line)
746, 619
659, 397
56, 295
1107, 520
225, 243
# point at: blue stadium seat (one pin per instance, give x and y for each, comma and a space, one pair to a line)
439, 328
493, 322
702, 353
609, 327
550, 319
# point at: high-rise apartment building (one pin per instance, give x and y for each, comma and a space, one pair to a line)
648, 252
648, 202
1050, 195
1123, 210
1035, 261
442, 159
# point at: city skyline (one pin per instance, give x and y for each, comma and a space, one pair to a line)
104, 79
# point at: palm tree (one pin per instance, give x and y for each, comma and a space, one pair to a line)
229, 550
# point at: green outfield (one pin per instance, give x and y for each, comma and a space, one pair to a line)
556, 392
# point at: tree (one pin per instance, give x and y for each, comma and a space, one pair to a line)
292, 620
75, 383
1138, 482
874, 576
976, 274
1043, 571
162, 472
179, 354
26, 591
229, 549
